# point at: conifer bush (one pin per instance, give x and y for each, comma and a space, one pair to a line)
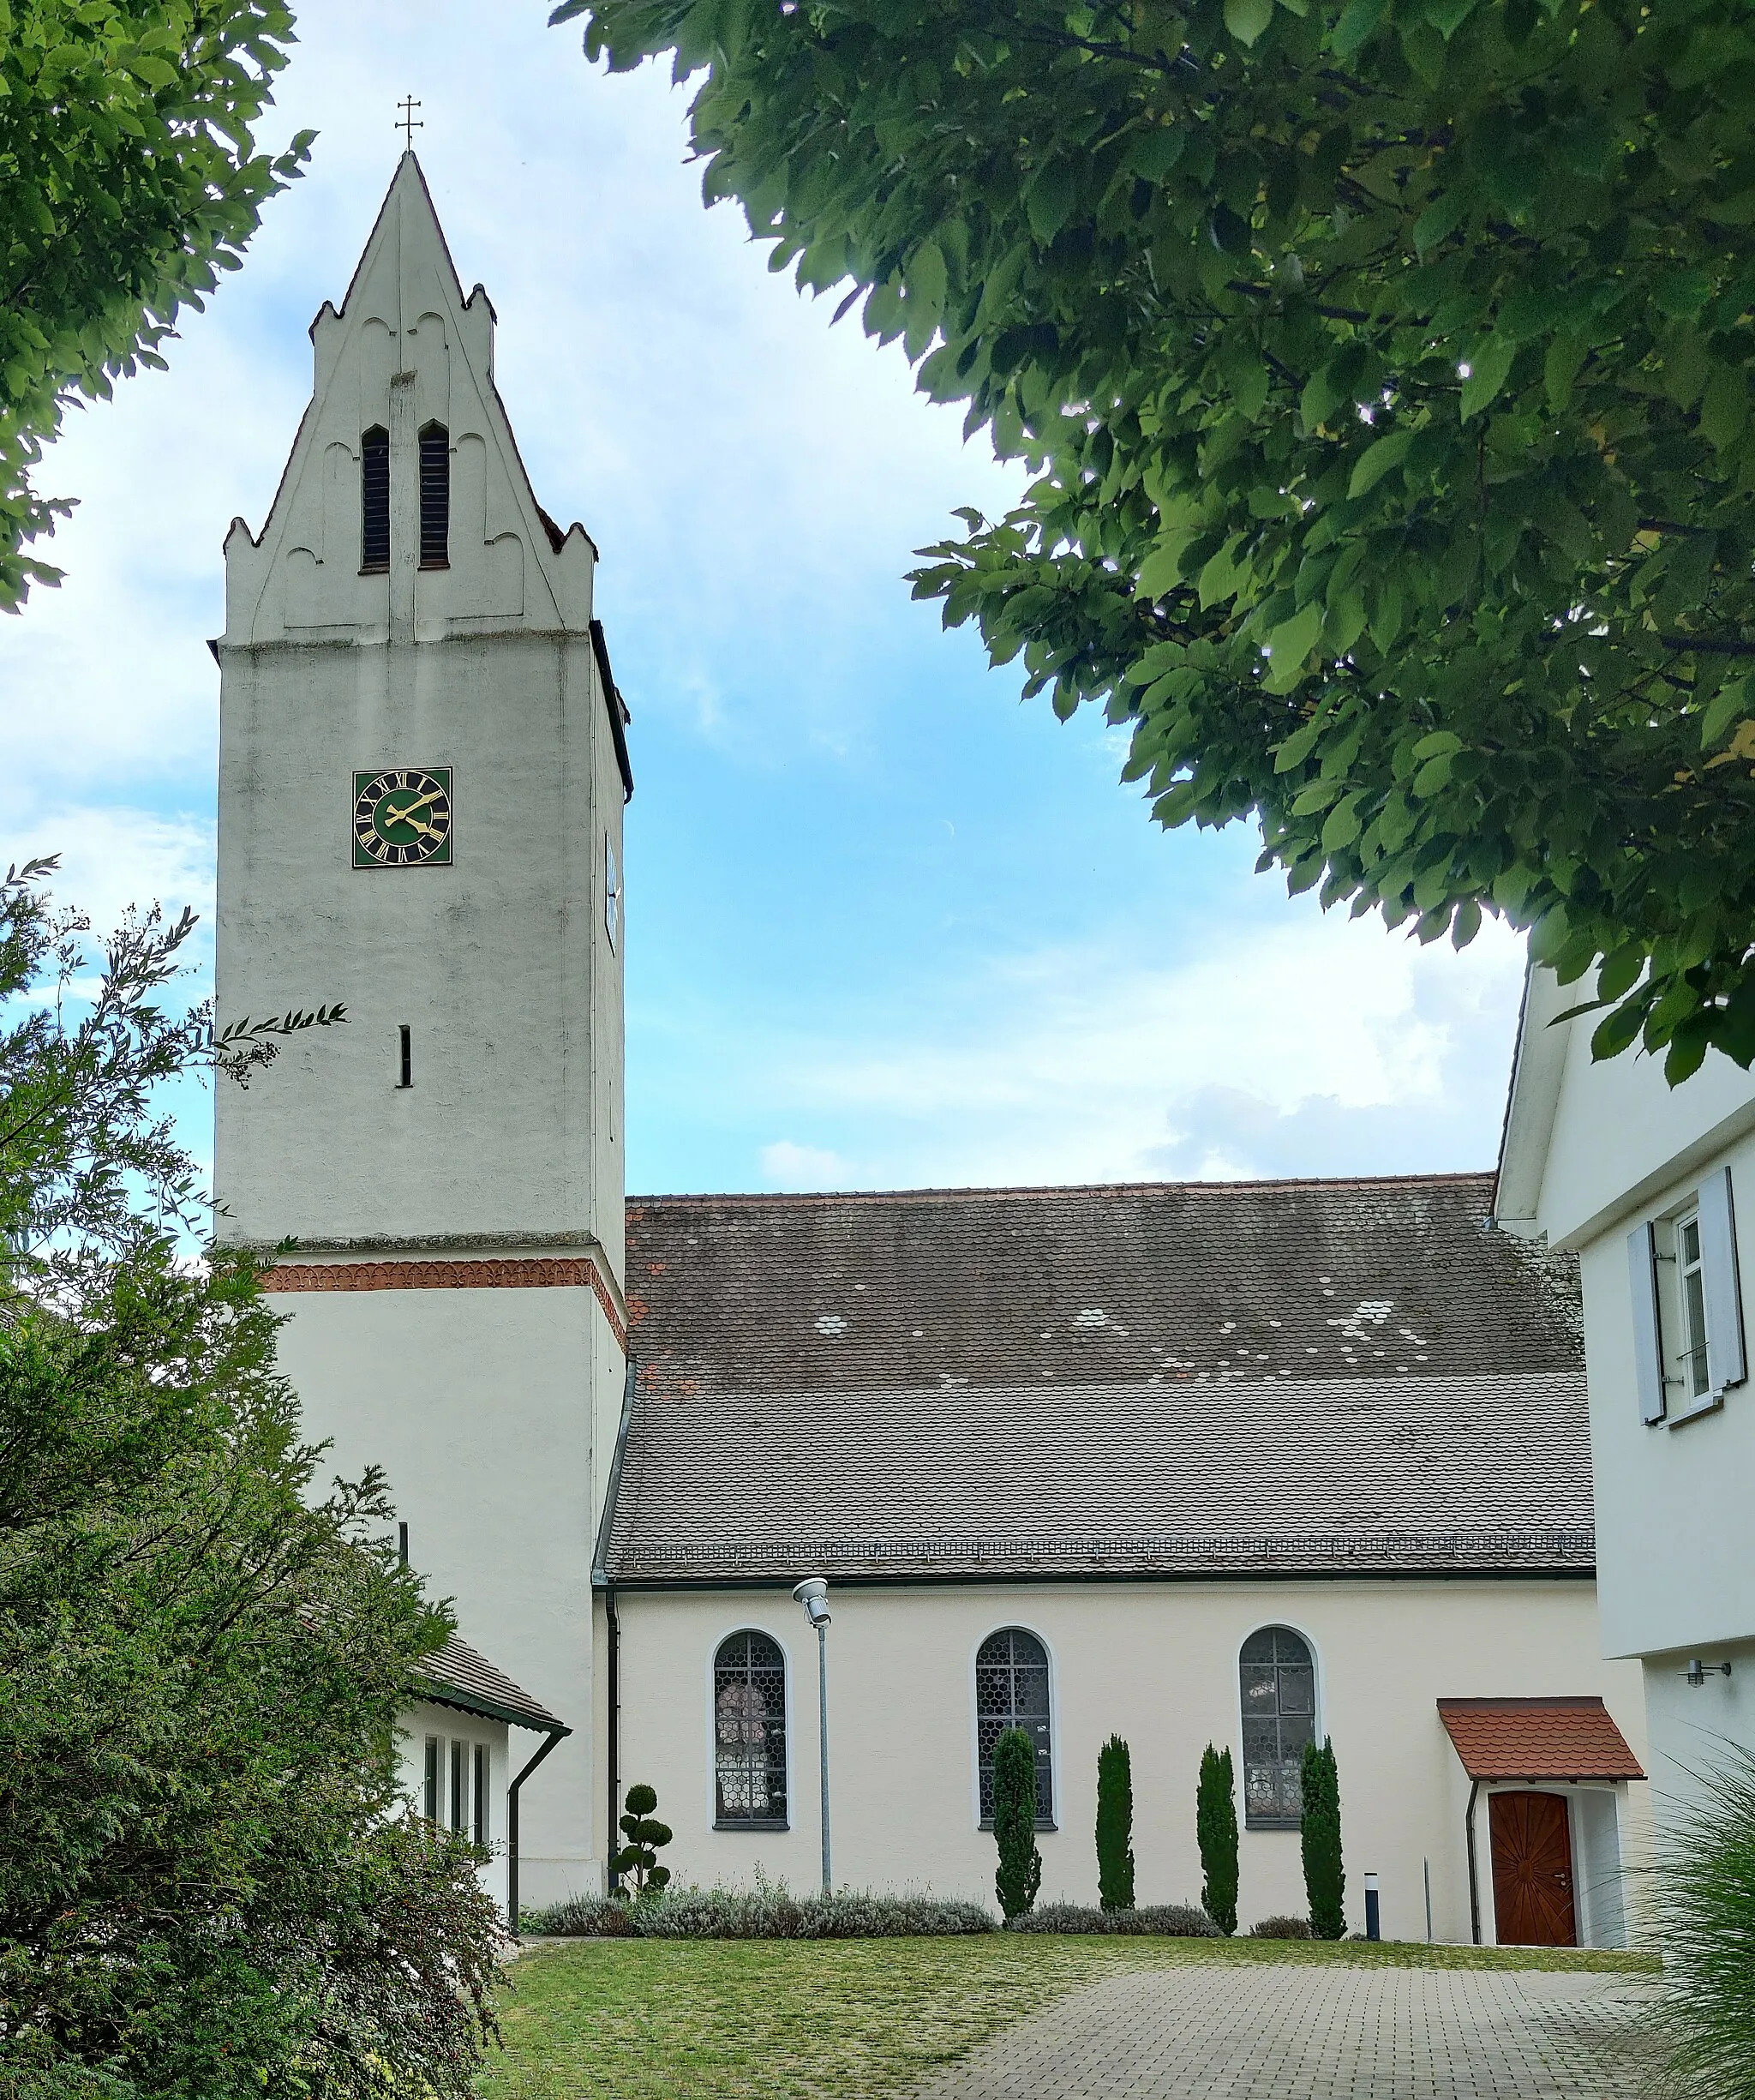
1216, 1834
1115, 1825
638, 1859
1325, 1877
1019, 1874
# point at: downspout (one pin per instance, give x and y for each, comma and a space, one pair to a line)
553, 1736
1474, 1879
601, 1580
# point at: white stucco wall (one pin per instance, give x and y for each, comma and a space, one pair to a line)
1157, 1663
1676, 1565
486, 1433
414, 1724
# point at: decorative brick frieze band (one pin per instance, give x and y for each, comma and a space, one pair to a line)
530, 1274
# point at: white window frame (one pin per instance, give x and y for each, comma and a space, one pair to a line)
1687, 1305
1681, 1315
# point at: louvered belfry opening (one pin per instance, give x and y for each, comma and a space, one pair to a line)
435, 497
375, 499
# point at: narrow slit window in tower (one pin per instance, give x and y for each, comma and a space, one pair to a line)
435, 497
405, 1052
374, 500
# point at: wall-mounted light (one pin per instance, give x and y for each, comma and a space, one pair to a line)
1698, 1671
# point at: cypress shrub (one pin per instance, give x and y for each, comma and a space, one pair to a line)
1325, 1878
1019, 1874
1115, 1825
1216, 1834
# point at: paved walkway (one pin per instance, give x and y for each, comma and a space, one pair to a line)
1308, 2033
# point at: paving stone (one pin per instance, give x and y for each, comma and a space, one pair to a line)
1266, 2033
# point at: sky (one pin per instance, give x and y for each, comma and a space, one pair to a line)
887, 924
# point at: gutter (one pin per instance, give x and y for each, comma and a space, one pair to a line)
554, 1736
601, 1580
1474, 1872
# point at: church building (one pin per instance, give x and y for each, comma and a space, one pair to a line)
1251, 1464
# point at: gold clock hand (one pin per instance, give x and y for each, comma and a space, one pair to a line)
406, 815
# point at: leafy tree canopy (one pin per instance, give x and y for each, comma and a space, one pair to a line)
128, 182
1385, 367
208, 1886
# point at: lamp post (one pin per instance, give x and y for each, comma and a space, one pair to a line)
813, 1594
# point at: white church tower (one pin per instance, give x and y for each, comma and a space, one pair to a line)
422, 775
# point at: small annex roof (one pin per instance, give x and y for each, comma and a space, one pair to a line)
1538, 1739
457, 1676
1269, 1378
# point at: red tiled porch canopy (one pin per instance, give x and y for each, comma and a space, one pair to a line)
1538, 1739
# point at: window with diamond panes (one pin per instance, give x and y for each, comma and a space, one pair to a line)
749, 1734
1280, 1717
1011, 1691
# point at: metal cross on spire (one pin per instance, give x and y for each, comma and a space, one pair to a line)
407, 124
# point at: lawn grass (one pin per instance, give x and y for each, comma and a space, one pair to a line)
843, 2019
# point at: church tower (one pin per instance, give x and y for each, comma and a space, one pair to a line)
422, 775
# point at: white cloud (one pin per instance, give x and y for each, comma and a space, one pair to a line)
113, 856
1312, 1044
787, 1166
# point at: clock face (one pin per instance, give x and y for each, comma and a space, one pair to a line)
402, 817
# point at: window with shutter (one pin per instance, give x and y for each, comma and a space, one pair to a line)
1720, 1286
1648, 1348
374, 500
435, 497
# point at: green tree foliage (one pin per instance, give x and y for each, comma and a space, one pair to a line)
1386, 369
638, 1859
127, 183
206, 1885
1115, 1825
1325, 1876
1216, 1834
1019, 1874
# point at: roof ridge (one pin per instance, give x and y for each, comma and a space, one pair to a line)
976, 1194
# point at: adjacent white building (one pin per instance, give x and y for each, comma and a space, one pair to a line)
1653, 1188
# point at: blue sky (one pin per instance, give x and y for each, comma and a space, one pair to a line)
886, 926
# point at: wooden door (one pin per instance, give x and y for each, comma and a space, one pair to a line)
1532, 1870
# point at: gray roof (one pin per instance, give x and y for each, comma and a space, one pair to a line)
1213, 1378
457, 1676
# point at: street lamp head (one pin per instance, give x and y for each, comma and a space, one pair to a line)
813, 1594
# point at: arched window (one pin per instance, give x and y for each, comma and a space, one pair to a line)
1011, 1691
1279, 1680
375, 499
749, 1734
435, 497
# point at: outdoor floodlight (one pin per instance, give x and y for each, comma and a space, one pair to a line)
813, 1594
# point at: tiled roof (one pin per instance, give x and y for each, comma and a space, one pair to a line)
1538, 1739
1165, 1283
1195, 1378
455, 1676
1213, 1476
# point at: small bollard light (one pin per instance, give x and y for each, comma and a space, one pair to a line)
1372, 1929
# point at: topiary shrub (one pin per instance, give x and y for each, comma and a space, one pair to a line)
1216, 1834
638, 1860
1325, 1877
1281, 1928
1175, 1921
1115, 1825
1019, 1874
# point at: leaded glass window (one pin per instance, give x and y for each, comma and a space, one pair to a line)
1280, 1717
749, 1733
1011, 1691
